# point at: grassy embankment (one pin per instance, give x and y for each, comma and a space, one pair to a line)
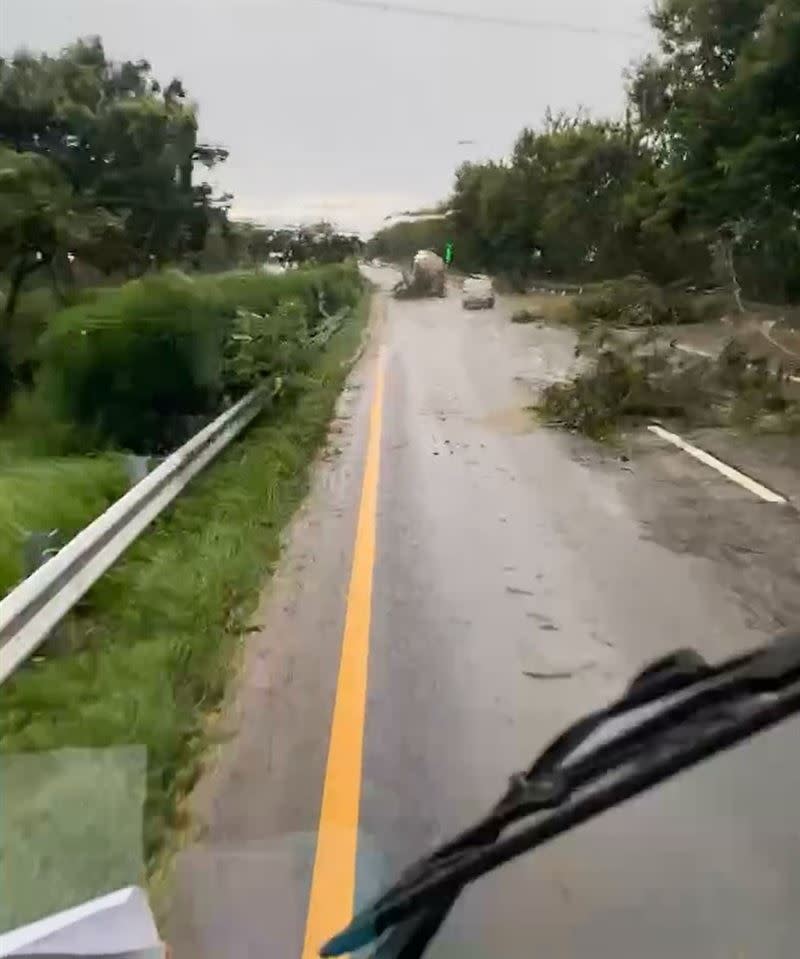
61, 443
154, 642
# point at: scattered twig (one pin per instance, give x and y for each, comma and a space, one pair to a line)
562, 674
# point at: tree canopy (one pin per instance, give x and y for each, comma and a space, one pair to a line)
121, 141
41, 216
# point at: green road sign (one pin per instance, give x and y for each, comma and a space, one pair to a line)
448, 252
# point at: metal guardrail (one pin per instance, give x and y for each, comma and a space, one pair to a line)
29, 612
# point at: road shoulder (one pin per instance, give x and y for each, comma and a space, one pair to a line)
243, 874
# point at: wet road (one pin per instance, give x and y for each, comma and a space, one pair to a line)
499, 552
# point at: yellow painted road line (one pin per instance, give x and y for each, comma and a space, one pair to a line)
333, 881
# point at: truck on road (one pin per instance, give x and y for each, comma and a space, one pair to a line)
427, 277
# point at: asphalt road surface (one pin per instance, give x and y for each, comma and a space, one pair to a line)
489, 548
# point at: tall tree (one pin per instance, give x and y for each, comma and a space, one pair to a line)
117, 135
558, 205
40, 218
719, 107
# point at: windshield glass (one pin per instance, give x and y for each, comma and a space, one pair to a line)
383, 383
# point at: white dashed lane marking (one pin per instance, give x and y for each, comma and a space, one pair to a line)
729, 472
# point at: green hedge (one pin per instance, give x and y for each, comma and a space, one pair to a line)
132, 366
261, 293
138, 368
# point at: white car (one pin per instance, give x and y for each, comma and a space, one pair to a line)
477, 293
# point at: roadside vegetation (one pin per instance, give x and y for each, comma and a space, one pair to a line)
540, 308
59, 494
153, 645
145, 657
102, 171
142, 367
636, 302
133, 311
139, 370
133, 308
626, 379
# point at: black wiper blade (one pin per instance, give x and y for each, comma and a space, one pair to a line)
676, 713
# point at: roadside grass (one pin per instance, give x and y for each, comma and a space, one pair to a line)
540, 307
159, 634
635, 302
41, 495
54, 474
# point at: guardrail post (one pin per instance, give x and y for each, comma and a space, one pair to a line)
136, 468
30, 612
37, 547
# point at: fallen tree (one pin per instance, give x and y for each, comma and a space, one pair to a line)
625, 379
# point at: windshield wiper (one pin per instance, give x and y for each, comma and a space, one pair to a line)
676, 713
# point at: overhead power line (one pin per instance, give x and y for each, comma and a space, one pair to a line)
488, 19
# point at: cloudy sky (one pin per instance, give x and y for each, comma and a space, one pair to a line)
354, 109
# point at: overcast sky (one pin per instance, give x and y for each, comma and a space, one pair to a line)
335, 109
